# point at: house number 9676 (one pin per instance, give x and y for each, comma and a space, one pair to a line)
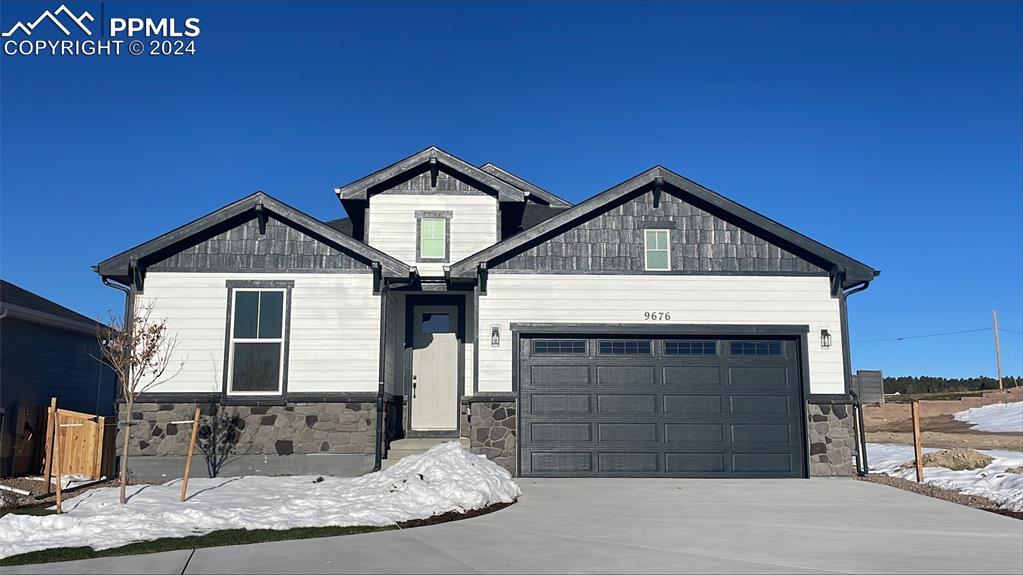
657, 315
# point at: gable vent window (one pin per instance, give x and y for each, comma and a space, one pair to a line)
432, 236
657, 254
690, 348
257, 342
755, 348
559, 346
624, 347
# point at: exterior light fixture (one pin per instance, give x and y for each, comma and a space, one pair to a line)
825, 339
495, 336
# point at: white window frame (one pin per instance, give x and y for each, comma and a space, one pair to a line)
233, 340
647, 249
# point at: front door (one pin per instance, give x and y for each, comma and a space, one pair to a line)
434, 368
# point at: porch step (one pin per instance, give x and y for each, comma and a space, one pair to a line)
414, 446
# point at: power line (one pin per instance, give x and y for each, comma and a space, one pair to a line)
923, 335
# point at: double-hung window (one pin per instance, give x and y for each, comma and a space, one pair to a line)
656, 253
257, 341
433, 238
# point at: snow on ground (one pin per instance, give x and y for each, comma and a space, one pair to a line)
996, 417
446, 478
992, 482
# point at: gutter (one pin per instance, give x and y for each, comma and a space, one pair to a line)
862, 465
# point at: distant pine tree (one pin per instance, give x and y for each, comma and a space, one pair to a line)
931, 384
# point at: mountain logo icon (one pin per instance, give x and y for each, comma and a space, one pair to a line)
27, 28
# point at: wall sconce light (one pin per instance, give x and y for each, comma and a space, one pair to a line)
825, 339
495, 336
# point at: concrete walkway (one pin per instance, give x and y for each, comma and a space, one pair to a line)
645, 526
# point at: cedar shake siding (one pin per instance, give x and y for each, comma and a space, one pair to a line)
243, 249
701, 242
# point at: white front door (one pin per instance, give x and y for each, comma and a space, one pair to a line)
435, 368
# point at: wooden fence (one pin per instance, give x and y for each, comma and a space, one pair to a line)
86, 444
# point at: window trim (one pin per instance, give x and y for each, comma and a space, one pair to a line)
647, 249
433, 214
233, 287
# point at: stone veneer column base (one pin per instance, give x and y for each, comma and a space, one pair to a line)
491, 431
832, 440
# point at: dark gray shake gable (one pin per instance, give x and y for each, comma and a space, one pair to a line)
656, 329
659, 182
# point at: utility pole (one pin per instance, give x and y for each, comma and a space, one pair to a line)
998, 352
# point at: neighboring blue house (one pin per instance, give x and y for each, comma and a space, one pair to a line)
46, 350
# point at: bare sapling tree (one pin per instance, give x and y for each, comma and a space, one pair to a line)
139, 351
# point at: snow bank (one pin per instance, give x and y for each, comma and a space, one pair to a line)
992, 482
997, 417
446, 478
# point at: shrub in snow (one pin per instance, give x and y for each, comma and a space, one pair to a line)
444, 479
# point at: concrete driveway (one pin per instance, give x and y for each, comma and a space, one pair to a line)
646, 526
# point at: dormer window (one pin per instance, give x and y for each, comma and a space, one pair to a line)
432, 236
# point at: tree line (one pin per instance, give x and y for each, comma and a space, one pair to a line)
931, 384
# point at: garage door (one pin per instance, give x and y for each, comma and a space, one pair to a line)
659, 407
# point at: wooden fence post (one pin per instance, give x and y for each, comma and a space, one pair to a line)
57, 451
191, 449
915, 408
51, 418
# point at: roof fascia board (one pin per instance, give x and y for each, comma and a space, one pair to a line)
116, 266
15, 311
855, 271
525, 185
358, 190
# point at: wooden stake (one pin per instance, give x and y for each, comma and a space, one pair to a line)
51, 419
191, 449
915, 408
59, 455
998, 352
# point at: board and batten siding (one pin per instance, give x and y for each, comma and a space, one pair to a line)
334, 335
603, 299
392, 225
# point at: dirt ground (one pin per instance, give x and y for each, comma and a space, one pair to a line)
946, 494
39, 497
941, 431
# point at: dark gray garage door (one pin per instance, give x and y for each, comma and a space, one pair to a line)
660, 407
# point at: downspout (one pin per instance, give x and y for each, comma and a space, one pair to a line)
125, 323
378, 447
862, 465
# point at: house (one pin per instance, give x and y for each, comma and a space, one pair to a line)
655, 329
46, 350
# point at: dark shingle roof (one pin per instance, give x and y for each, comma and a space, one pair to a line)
14, 295
343, 225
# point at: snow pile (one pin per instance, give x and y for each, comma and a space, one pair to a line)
446, 478
997, 417
991, 482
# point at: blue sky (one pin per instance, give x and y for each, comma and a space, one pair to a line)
890, 131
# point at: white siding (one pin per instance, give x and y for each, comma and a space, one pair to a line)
334, 336
392, 225
513, 298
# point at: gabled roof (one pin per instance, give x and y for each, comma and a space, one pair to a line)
13, 297
244, 209
853, 270
359, 189
518, 182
